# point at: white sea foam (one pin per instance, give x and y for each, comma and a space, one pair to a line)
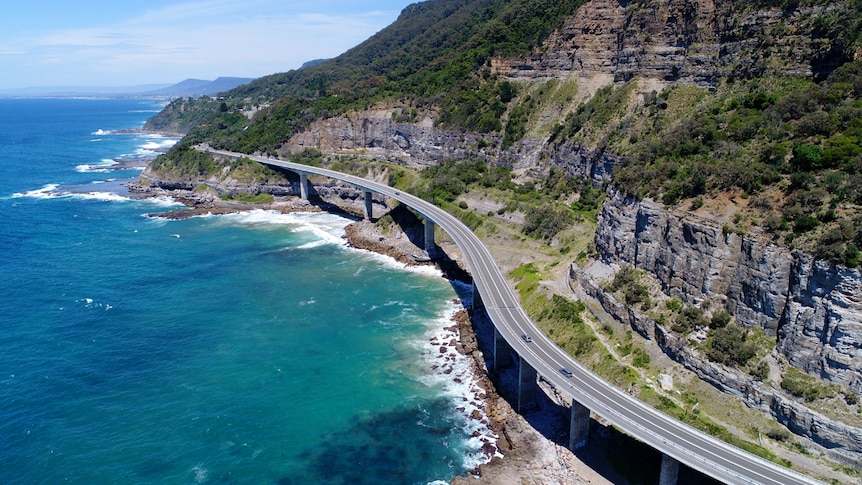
101, 132
454, 373
313, 244
390, 262
162, 201
201, 473
102, 167
90, 303
47, 192
155, 144
328, 228
105, 196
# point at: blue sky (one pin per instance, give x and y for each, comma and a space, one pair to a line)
133, 42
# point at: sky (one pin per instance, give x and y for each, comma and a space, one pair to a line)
138, 42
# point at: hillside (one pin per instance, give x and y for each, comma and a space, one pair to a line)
717, 145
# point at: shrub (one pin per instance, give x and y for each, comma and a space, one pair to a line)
807, 157
760, 371
641, 358
674, 304
546, 221
778, 434
729, 345
627, 280
720, 319
804, 223
690, 317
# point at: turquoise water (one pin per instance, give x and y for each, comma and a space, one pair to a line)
246, 348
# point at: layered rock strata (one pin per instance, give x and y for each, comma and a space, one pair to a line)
814, 308
842, 441
694, 41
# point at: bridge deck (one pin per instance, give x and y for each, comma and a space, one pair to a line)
670, 436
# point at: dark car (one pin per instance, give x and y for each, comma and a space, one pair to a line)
526, 338
565, 372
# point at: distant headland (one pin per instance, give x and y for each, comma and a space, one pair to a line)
188, 88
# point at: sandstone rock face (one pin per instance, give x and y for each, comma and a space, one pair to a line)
695, 41
222, 185
375, 133
843, 442
814, 308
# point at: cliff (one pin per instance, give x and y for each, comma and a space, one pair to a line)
814, 308
844, 442
375, 133
694, 41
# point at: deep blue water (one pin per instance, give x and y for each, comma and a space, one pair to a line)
247, 348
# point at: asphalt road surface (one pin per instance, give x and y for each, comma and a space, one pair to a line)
695, 449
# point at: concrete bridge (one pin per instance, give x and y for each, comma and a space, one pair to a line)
679, 442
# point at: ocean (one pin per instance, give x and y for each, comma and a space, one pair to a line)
244, 348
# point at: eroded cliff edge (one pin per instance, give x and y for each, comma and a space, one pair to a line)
813, 307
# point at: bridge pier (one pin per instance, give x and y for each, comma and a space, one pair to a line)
368, 208
502, 351
579, 429
475, 297
429, 237
669, 470
303, 185
526, 386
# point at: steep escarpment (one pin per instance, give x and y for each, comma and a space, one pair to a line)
378, 134
699, 42
814, 308
844, 442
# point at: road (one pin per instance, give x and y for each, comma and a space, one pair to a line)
695, 449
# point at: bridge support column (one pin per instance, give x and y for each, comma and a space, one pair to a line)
502, 351
303, 185
669, 470
579, 429
429, 237
526, 386
475, 298
368, 205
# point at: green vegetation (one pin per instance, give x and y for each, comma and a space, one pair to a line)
527, 277
803, 385
186, 163
730, 345
436, 54
628, 282
262, 198
750, 136
694, 418
446, 181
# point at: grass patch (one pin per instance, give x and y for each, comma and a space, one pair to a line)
805, 386
262, 198
703, 423
527, 277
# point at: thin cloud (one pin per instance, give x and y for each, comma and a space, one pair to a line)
196, 39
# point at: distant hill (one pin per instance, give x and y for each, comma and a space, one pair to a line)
187, 88
312, 63
79, 91
199, 87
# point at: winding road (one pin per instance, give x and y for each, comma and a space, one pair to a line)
695, 449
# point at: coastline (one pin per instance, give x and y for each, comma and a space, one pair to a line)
512, 449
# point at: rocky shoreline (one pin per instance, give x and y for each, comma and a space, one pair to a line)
512, 450
521, 453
